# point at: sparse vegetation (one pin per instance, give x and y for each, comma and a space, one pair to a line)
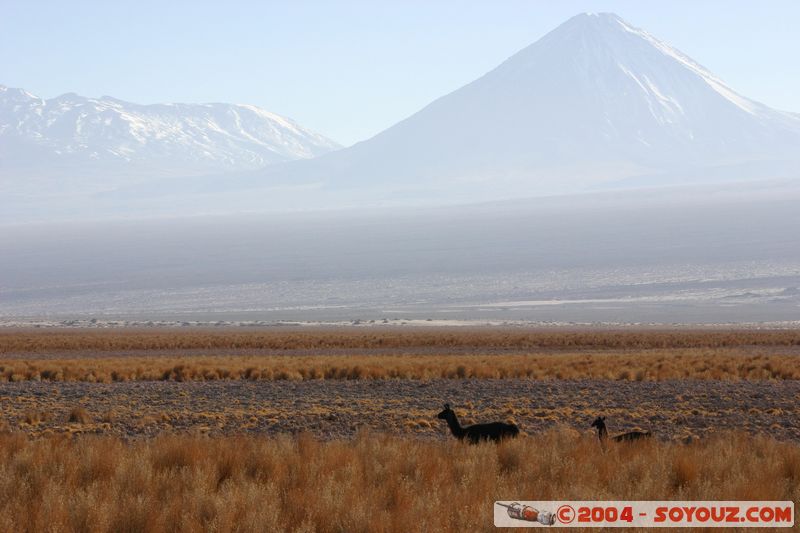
109, 356
266, 448
59, 340
34, 418
401, 386
632, 365
376, 483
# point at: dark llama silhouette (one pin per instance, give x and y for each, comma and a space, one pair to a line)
602, 432
494, 431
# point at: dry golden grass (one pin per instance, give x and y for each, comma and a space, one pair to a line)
59, 340
353, 353
631, 365
373, 484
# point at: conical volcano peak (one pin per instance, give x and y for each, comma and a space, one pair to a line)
597, 21
597, 28
587, 41
598, 18
596, 101
600, 55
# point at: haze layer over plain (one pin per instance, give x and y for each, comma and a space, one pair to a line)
634, 257
596, 105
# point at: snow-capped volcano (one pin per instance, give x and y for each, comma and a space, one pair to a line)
72, 136
596, 102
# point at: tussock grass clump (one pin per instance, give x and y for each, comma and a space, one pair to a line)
79, 415
375, 483
34, 417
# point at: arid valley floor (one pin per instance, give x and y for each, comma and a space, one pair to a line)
679, 385
235, 428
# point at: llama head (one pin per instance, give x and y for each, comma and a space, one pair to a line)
599, 422
447, 413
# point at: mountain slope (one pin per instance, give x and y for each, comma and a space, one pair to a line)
593, 103
596, 104
74, 138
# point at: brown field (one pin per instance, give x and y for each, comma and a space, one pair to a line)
337, 409
375, 483
336, 429
31, 341
652, 365
177, 355
331, 382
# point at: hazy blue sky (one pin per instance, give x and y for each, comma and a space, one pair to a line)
352, 68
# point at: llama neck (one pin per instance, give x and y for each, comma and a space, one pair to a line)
455, 427
602, 432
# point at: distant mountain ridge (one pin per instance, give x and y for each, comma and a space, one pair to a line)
595, 105
71, 135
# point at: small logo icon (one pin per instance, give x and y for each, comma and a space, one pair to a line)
525, 512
